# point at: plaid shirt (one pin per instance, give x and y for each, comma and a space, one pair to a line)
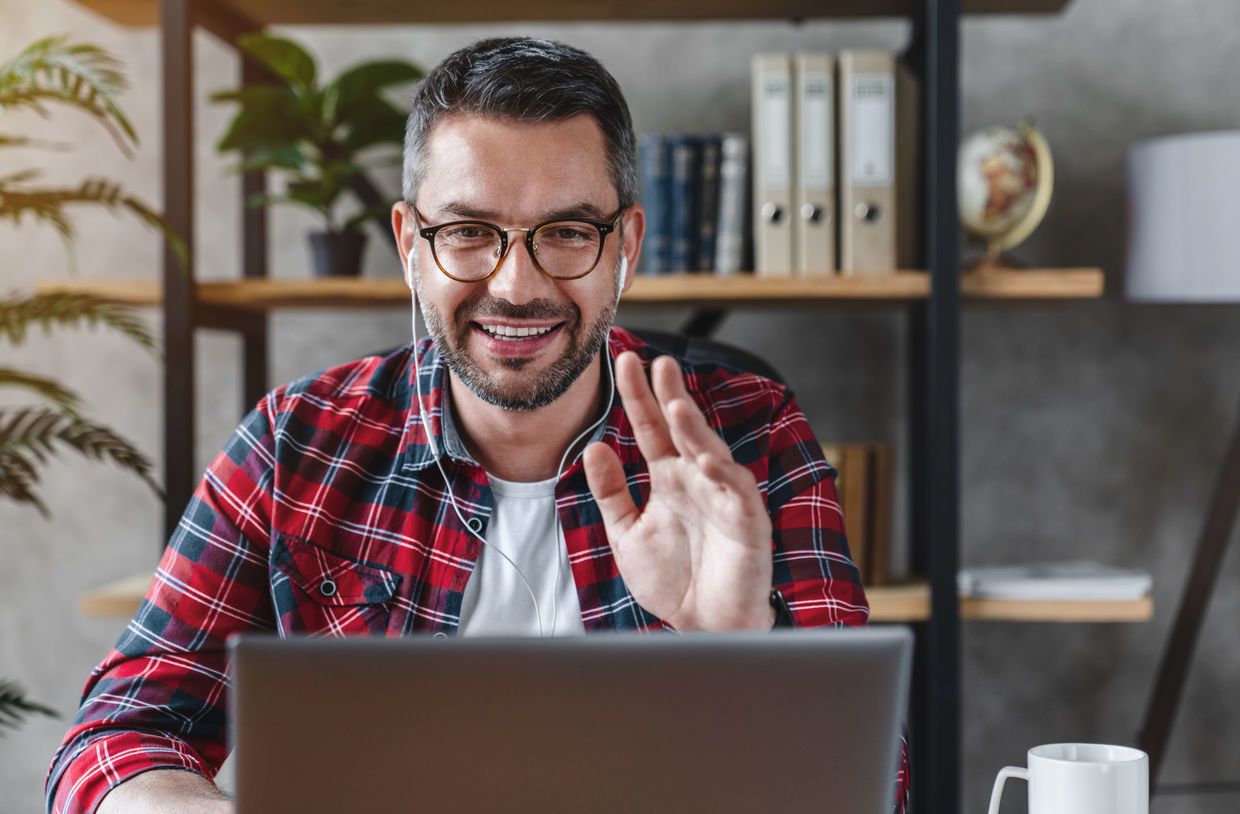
325, 514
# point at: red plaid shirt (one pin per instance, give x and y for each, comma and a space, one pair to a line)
330, 479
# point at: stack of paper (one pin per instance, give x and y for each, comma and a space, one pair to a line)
1080, 580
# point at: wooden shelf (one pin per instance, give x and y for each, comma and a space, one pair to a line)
327, 12
888, 603
911, 603
672, 290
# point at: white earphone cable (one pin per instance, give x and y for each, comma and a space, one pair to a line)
417, 378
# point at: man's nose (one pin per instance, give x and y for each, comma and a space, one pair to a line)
517, 279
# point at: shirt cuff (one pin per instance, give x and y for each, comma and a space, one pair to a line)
102, 764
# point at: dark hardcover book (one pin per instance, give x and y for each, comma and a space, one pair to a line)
708, 202
686, 170
654, 160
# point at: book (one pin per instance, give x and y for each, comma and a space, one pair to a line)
881, 487
686, 155
1081, 580
731, 234
708, 201
655, 172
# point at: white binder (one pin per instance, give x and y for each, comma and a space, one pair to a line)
774, 160
814, 184
868, 187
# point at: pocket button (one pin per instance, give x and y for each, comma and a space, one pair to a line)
327, 587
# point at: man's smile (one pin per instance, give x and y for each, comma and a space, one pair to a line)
511, 338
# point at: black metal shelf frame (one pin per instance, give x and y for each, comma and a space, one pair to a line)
933, 354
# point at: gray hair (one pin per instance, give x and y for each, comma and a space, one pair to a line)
528, 80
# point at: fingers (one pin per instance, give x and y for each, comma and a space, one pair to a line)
690, 432
605, 476
649, 425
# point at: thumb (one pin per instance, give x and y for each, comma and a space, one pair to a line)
605, 476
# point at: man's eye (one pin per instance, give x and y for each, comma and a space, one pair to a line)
466, 233
569, 234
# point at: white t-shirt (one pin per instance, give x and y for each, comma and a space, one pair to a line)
525, 526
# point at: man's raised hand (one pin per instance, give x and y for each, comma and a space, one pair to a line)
698, 555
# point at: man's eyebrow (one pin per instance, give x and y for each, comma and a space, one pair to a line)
462, 209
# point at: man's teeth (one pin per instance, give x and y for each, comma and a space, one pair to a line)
510, 332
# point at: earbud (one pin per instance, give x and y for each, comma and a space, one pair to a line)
624, 274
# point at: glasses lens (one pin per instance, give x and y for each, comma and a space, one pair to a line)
567, 248
468, 251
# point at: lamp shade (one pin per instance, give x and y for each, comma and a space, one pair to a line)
1184, 224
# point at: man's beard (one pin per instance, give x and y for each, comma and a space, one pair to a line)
532, 393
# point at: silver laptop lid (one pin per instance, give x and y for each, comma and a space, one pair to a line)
801, 721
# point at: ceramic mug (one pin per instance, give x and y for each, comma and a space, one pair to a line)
1081, 778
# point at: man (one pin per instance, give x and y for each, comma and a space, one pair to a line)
442, 488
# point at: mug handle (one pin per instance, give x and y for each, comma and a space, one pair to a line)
1017, 772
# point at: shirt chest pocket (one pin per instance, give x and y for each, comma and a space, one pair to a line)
321, 592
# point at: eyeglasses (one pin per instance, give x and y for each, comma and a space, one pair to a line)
470, 251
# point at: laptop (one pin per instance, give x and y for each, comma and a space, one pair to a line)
795, 721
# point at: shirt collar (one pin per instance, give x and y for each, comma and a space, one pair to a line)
417, 452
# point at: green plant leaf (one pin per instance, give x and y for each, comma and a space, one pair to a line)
359, 219
263, 129
19, 312
66, 400
15, 706
77, 74
48, 205
283, 57
361, 83
374, 122
280, 158
28, 435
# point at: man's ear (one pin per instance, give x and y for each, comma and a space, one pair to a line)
404, 230
632, 232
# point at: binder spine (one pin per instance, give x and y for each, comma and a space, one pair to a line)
774, 157
814, 191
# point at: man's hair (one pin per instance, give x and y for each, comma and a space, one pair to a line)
527, 80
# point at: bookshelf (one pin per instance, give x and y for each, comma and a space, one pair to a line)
904, 604
690, 290
932, 298
372, 12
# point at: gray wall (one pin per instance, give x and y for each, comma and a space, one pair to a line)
1090, 429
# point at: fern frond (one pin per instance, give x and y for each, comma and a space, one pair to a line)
15, 706
77, 74
18, 312
48, 205
53, 391
28, 435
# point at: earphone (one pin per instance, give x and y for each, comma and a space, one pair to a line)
622, 278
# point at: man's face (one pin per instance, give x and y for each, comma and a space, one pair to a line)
517, 174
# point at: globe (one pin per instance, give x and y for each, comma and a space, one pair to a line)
1005, 177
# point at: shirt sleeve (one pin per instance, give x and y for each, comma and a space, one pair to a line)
813, 570
157, 701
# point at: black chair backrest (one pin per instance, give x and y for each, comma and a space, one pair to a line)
697, 349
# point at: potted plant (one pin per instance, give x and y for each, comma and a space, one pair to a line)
82, 76
314, 135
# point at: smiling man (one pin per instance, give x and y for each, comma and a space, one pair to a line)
528, 470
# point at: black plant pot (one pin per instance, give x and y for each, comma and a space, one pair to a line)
337, 254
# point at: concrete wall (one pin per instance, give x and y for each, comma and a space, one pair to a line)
1090, 429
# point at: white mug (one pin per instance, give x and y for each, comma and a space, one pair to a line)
1082, 778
